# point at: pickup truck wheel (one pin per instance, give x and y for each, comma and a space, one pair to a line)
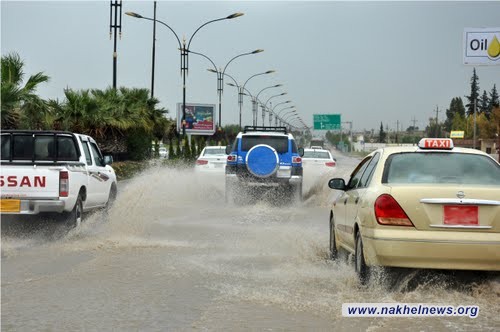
112, 196
75, 217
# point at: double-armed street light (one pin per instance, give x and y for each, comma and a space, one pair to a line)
184, 52
242, 89
278, 112
263, 106
220, 74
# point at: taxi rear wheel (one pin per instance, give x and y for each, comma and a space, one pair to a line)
333, 242
362, 270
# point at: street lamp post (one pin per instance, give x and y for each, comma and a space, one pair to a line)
284, 102
263, 106
242, 88
278, 113
269, 87
220, 74
184, 55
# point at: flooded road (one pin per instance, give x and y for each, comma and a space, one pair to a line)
172, 256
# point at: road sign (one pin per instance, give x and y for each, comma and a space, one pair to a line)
326, 121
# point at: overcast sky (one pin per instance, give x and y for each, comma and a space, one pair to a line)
371, 62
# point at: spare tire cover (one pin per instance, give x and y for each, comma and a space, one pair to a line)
262, 160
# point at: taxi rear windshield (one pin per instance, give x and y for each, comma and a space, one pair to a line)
441, 168
279, 143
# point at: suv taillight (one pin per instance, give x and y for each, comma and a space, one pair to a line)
63, 183
389, 212
296, 160
330, 164
201, 162
231, 157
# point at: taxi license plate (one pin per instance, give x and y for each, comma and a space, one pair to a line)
461, 215
10, 205
218, 165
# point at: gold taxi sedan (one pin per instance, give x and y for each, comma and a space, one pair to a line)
430, 206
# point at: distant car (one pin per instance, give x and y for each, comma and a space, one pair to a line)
317, 161
316, 147
163, 152
429, 206
212, 159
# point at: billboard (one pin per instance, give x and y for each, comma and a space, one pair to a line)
199, 119
482, 46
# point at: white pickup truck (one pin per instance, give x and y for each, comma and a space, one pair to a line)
54, 171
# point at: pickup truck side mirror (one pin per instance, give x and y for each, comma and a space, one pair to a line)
108, 160
228, 149
301, 152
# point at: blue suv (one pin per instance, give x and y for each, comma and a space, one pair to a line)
263, 157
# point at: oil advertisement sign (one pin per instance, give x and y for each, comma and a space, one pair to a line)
199, 119
482, 46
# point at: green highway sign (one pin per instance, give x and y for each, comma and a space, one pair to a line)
326, 121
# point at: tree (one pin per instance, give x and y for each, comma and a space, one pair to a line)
382, 134
494, 99
456, 107
474, 93
21, 106
483, 104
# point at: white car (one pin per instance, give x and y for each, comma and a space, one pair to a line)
317, 164
212, 159
163, 152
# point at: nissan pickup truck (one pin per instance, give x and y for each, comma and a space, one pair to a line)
54, 172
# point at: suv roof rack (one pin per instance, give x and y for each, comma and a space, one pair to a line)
261, 128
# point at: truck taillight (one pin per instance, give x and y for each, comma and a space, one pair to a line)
389, 212
63, 183
330, 164
296, 160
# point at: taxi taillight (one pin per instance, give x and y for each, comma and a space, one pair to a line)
330, 164
389, 212
201, 162
63, 183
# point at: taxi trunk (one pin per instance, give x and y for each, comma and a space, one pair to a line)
467, 208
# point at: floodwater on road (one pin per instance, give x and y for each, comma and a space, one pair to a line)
172, 256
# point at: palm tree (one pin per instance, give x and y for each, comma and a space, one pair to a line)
21, 107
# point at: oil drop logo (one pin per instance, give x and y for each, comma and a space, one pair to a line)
494, 48
482, 46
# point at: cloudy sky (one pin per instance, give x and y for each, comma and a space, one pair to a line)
371, 62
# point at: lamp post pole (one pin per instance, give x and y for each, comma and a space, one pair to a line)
242, 88
284, 102
220, 76
269, 87
264, 105
278, 113
184, 55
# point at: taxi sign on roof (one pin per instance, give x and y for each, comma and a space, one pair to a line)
436, 143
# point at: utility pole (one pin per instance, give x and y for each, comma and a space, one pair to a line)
437, 119
114, 24
397, 130
154, 47
475, 111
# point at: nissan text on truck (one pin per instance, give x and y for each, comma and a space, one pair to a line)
54, 172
